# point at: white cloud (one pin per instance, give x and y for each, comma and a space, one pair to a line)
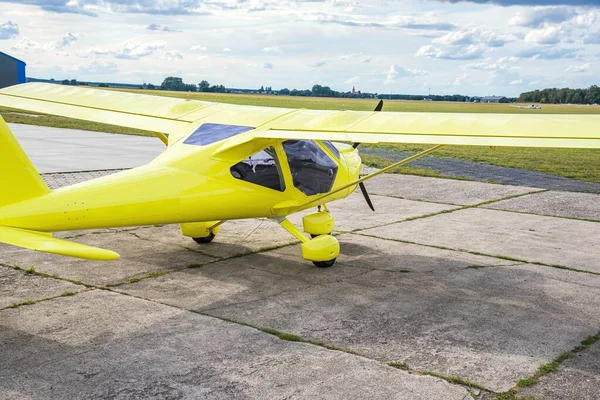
198, 48
396, 72
470, 52
353, 80
274, 49
349, 55
516, 82
157, 27
460, 79
172, 55
226, 50
8, 30
539, 16
27, 45
319, 64
97, 68
549, 35
579, 68
129, 50
267, 65
475, 35
366, 60
504, 63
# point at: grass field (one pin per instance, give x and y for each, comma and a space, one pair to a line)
577, 164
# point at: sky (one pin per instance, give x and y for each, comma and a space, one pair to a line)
472, 47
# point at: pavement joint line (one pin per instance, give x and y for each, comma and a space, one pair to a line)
477, 253
544, 215
458, 208
550, 367
44, 275
295, 338
66, 293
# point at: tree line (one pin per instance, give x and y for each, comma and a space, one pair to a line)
562, 96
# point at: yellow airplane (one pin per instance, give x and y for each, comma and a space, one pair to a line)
226, 162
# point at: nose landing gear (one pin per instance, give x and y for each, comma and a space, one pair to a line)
322, 249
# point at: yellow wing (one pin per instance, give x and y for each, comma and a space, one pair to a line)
179, 117
173, 116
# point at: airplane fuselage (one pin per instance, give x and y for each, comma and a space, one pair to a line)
194, 187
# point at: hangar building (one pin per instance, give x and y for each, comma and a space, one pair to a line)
12, 71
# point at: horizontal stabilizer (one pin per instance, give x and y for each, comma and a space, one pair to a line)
42, 241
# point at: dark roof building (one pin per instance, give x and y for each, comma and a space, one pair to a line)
494, 99
12, 71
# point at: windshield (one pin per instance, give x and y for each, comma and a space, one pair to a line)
313, 172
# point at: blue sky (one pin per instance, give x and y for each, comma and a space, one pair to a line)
483, 47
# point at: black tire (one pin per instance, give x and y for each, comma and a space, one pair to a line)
324, 264
314, 236
203, 240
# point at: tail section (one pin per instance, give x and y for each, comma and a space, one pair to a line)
19, 179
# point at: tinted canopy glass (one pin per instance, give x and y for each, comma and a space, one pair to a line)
313, 172
212, 133
261, 169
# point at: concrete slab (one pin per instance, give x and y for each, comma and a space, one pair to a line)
138, 257
104, 345
18, 286
533, 238
61, 179
557, 204
353, 212
62, 150
453, 313
576, 378
235, 238
236, 281
439, 190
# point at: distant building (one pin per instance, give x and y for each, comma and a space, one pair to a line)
494, 99
12, 71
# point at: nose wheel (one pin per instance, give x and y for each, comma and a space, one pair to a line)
321, 248
324, 264
203, 240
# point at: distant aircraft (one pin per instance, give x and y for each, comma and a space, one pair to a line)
225, 162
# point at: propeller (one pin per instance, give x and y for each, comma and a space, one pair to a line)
363, 189
377, 108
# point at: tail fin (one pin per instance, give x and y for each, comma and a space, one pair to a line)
19, 179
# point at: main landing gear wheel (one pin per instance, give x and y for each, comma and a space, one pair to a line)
202, 240
324, 264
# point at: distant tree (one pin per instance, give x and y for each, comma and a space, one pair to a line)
74, 82
102, 85
203, 86
173, 83
150, 86
261, 90
562, 96
284, 91
66, 82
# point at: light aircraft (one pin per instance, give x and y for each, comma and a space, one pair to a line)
226, 162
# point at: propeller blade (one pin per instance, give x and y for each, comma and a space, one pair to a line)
379, 107
363, 189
